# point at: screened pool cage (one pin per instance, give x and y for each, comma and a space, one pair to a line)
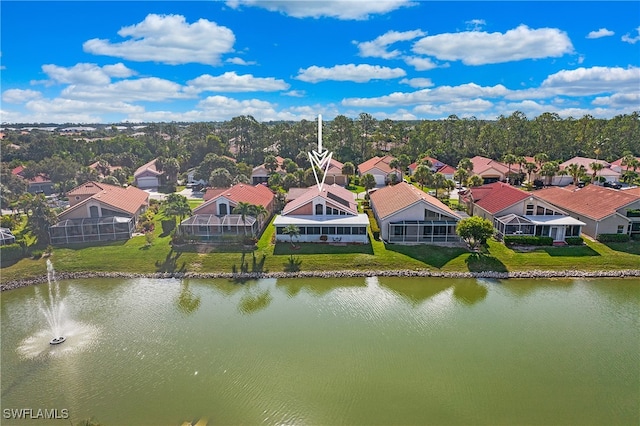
209, 227
108, 228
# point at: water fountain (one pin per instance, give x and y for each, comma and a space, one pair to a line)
53, 306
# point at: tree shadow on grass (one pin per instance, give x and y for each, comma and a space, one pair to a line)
629, 247
170, 263
287, 249
436, 256
570, 251
482, 262
256, 267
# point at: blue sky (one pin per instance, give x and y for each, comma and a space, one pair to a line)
122, 61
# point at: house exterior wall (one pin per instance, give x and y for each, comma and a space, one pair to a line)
84, 211
305, 210
77, 199
414, 212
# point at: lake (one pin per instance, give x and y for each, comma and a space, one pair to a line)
352, 351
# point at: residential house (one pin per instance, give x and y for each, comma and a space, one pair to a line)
437, 166
96, 166
380, 168
490, 170
405, 215
603, 210
260, 174
148, 176
609, 174
327, 215
335, 175
40, 184
99, 212
516, 212
214, 220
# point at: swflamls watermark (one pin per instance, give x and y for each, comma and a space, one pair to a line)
35, 413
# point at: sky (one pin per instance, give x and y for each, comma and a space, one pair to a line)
162, 61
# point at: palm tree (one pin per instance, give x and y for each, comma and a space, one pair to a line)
368, 181
596, 167
244, 210
509, 160
177, 205
475, 180
576, 172
462, 175
422, 175
261, 213
293, 231
466, 164
540, 159
220, 178
348, 169
549, 170
531, 168
270, 163
439, 181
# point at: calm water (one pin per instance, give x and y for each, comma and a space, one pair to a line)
357, 351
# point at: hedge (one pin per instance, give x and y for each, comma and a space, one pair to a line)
527, 240
613, 238
375, 229
11, 252
574, 241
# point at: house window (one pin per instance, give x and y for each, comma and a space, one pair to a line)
279, 230
319, 209
313, 230
620, 229
93, 211
398, 230
430, 215
223, 209
529, 211
540, 211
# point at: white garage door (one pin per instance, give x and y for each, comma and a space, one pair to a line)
147, 182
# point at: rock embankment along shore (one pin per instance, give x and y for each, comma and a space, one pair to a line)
626, 273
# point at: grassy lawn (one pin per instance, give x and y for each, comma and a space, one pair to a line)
135, 255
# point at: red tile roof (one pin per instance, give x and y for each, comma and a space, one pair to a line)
595, 202
150, 166
129, 199
391, 199
482, 164
583, 161
258, 195
329, 193
497, 196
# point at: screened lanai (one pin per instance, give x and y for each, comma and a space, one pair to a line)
423, 231
211, 227
557, 226
106, 228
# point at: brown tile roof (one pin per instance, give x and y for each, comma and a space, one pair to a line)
595, 202
482, 164
583, 161
258, 195
391, 199
381, 163
329, 193
87, 188
633, 191
497, 196
150, 166
129, 199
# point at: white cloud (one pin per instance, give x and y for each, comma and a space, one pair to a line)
619, 100
420, 64
417, 82
143, 89
239, 61
377, 48
633, 40
442, 94
590, 81
475, 24
351, 72
602, 32
232, 82
295, 93
479, 48
18, 96
85, 73
65, 110
340, 9
168, 39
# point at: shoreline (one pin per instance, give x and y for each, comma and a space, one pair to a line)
625, 273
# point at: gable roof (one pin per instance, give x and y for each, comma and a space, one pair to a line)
333, 194
592, 201
258, 195
583, 161
618, 164
391, 199
497, 196
150, 166
381, 163
129, 199
482, 164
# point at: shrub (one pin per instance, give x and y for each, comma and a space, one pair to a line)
11, 252
574, 241
613, 238
375, 229
527, 240
168, 225
8, 221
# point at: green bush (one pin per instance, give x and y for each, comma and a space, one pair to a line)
527, 240
375, 229
11, 252
574, 241
168, 225
613, 238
